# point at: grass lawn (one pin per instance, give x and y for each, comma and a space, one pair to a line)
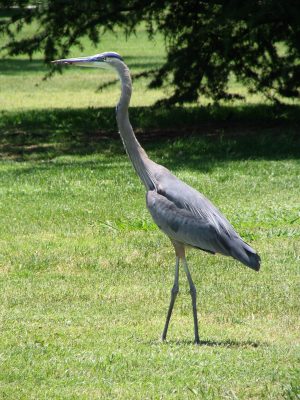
85, 275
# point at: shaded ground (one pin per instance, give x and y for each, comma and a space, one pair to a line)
215, 132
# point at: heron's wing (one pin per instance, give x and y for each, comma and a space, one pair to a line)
207, 227
181, 225
187, 198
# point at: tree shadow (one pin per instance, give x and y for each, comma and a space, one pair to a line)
11, 66
196, 138
146, 62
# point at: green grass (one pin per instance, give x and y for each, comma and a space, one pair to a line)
85, 275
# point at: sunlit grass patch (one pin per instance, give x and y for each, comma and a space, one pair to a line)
86, 275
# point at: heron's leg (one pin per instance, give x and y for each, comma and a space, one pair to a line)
174, 293
194, 297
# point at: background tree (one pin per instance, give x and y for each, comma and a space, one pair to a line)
207, 41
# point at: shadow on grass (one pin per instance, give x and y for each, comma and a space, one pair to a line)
11, 66
193, 137
232, 343
228, 343
145, 63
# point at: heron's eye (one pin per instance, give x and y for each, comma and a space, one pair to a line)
100, 59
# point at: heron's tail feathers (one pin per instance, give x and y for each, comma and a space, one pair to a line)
246, 255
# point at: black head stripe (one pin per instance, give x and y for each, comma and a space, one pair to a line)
112, 55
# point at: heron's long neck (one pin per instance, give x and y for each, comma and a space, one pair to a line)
136, 153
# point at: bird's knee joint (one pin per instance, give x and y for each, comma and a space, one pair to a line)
174, 290
193, 290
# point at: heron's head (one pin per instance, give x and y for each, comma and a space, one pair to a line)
103, 60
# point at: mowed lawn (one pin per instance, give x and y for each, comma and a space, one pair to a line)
85, 275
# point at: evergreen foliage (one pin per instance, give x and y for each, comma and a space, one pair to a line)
207, 43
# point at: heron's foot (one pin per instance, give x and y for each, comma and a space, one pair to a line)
197, 341
163, 338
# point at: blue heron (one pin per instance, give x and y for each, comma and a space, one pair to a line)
181, 212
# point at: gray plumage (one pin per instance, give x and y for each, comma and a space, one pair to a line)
186, 216
181, 212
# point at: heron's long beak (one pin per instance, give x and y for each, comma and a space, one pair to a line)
82, 62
